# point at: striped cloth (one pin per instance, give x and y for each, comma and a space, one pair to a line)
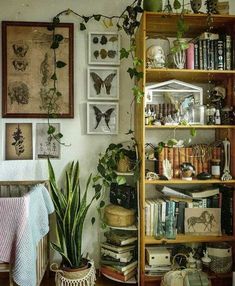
23, 222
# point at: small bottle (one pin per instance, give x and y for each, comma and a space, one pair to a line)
217, 117
215, 168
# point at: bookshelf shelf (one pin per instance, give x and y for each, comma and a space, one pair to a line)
160, 24
184, 182
150, 127
186, 238
186, 75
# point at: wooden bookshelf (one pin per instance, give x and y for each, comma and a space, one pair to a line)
160, 24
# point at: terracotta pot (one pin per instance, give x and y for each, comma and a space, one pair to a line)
76, 273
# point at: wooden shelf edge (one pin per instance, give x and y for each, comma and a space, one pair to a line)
188, 239
166, 70
189, 126
185, 182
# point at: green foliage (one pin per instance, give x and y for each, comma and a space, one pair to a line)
71, 207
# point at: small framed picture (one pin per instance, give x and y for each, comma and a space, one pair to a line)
103, 83
46, 145
102, 118
103, 48
18, 141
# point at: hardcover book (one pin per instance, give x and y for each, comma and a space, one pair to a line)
116, 275
120, 237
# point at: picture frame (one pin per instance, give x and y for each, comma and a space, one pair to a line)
103, 48
28, 70
46, 145
203, 221
18, 141
102, 118
103, 83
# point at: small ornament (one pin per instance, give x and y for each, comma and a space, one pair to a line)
196, 5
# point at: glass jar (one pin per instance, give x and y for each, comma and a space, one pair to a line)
215, 168
199, 114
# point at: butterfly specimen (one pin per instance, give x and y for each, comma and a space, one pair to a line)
99, 114
98, 82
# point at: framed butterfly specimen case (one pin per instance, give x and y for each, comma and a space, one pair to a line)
103, 83
103, 48
102, 118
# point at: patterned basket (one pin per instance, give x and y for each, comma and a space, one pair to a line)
221, 257
85, 277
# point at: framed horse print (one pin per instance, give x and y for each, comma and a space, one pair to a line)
202, 221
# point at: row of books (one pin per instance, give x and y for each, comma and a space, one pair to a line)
118, 255
210, 51
179, 155
179, 201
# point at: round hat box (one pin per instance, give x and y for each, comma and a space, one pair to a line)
118, 216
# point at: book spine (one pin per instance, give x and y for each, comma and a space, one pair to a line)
220, 54
147, 218
215, 44
160, 162
200, 55
196, 55
190, 56
176, 169
181, 156
204, 54
228, 52
180, 218
170, 156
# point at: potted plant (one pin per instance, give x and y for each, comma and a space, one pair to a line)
71, 207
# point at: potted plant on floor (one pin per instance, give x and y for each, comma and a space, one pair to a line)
71, 207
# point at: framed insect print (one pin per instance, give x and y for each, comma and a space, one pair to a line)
18, 141
102, 118
29, 72
103, 83
103, 48
46, 145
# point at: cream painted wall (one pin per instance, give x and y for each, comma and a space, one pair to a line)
83, 147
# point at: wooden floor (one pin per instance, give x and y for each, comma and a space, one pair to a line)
101, 281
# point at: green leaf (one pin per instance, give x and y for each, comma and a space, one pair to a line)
176, 4
60, 64
54, 77
121, 180
97, 17
56, 20
58, 93
138, 93
82, 27
54, 45
193, 132
124, 53
51, 129
58, 135
58, 38
86, 19
93, 220
102, 204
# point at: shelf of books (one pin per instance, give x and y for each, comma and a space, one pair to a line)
189, 126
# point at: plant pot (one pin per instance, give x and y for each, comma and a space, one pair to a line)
75, 276
124, 165
152, 5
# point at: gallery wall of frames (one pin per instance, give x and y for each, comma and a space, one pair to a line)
103, 83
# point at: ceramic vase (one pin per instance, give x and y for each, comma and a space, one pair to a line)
152, 5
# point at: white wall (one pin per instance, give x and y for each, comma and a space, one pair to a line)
83, 147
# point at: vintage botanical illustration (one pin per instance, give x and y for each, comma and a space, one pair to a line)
102, 118
46, 144
19, 141
29, 86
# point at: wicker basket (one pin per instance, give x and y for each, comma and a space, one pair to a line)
221, 257
118, 216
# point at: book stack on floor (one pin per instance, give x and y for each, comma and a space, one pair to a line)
118, 254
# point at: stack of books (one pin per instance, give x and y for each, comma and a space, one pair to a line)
118, 255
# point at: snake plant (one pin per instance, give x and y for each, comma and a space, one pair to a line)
71, 207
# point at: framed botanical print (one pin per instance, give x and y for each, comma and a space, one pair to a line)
46, 145
37, 77
103, 48
102, 118
103, 83
18, 141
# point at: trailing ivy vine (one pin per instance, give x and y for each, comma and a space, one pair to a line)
127, 21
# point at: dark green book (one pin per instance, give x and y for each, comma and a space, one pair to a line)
121, 237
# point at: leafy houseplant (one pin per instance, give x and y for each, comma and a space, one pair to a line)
71, 207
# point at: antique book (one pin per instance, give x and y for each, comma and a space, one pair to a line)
120, 237
118, 249
116, 275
